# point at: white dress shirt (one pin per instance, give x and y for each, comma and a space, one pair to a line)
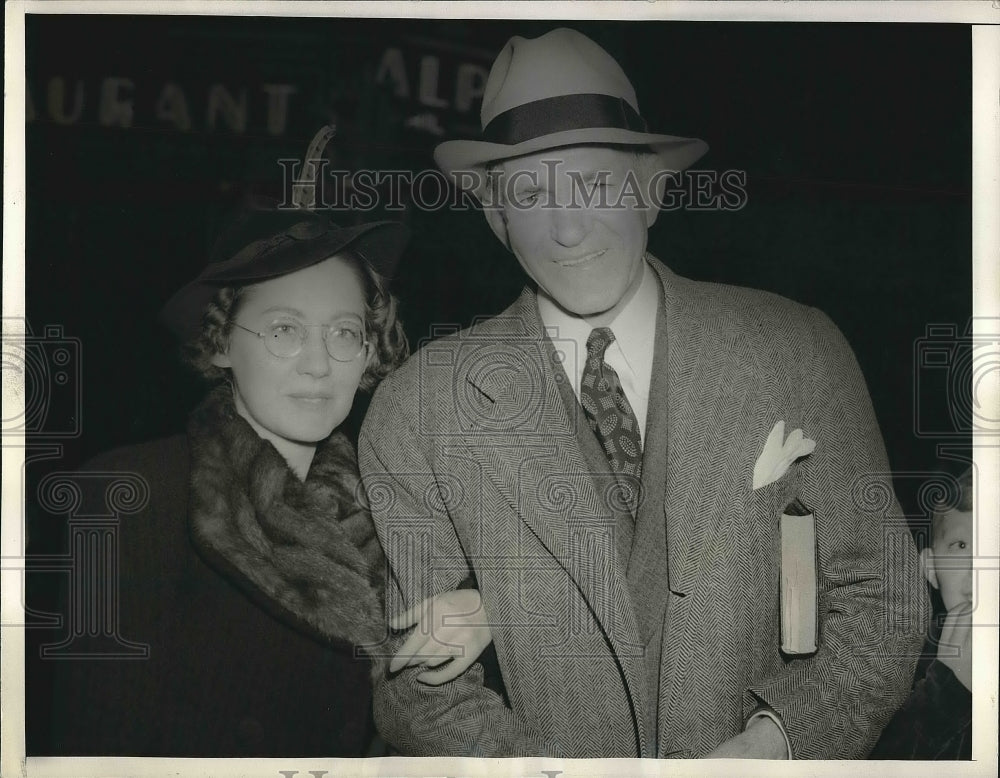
631, 353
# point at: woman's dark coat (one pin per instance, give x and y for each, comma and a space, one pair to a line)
251, 624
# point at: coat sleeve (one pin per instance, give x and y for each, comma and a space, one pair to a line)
424, 557
935, 722
872, 599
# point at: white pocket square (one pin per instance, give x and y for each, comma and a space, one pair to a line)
778, 454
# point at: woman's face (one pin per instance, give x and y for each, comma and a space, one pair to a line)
299, 399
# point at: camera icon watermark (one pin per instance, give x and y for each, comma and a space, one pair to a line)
497, 382
953, 377
44, 373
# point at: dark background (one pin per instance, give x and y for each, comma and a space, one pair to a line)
855, 139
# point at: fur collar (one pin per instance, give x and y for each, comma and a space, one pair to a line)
305, 551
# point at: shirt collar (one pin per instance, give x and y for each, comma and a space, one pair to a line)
634, 326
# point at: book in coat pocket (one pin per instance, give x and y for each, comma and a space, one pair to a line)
799, 606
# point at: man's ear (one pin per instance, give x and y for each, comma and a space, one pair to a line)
495, 218
654, 185
651, 184
651, 213
222, 360
927, 567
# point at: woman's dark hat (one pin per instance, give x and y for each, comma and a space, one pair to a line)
266, 239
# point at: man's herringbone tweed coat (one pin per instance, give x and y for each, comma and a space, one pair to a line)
473, 464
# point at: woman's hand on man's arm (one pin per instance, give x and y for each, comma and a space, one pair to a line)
450, 633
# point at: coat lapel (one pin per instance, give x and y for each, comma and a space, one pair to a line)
683, 372
518, 427
670, 531
527, 443
648, 570
699, 370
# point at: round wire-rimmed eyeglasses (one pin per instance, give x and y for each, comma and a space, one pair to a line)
344, 342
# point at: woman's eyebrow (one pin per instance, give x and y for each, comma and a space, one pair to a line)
284, 309
335, 317
338, 317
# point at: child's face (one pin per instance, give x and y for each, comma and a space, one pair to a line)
948, 564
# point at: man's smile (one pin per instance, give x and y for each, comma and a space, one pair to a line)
575, 261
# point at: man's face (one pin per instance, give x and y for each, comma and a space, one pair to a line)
952, 558
572, 229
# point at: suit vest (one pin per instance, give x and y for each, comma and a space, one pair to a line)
640, 542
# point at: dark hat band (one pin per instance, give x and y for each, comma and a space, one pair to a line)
560, 114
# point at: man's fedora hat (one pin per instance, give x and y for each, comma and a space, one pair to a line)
560, 89
265, 239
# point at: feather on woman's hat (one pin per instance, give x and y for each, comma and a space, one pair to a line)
560, 89
265, 240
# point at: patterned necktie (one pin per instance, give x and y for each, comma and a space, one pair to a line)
608, 410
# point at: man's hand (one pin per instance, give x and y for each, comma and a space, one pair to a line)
762, 739
449, 626
955, 644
